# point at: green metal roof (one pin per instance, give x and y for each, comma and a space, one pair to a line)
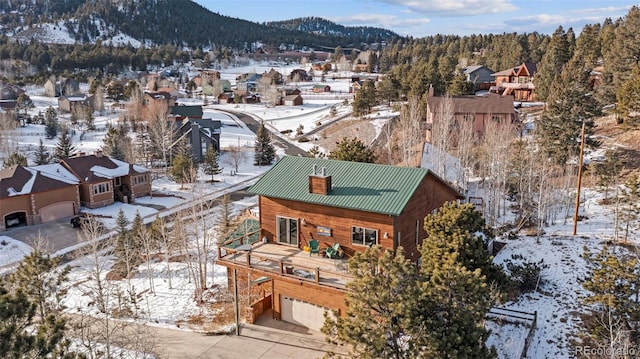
355, 185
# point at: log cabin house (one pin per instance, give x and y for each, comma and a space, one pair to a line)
350, 205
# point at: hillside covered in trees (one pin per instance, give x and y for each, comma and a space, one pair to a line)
168, 22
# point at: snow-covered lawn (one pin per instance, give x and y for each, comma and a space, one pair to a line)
558, 301
12, 251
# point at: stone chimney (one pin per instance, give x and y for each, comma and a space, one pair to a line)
319, 183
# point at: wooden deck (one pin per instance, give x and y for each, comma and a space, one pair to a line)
288, 261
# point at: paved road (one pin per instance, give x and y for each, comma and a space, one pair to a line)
252, 124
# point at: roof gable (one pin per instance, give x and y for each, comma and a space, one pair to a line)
355, 185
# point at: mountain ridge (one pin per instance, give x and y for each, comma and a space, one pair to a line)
182, 23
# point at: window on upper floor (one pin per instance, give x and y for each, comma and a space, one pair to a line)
364, 236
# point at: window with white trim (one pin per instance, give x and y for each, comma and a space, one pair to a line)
101, 188
364, 236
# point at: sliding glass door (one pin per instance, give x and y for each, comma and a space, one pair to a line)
287, 230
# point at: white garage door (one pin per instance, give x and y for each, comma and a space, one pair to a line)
56, 211
302, 313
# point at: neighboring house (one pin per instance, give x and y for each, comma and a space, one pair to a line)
292, 100
350, 205
9, 91
103, 180
300, 75
275, 77
225, 97
159, 97
223, 85
175, 93
318, 88
76, 104
200, 133
355, 86
55, 87
480, 76
517, 82
181, 112
247, 86
34, 195
479, 109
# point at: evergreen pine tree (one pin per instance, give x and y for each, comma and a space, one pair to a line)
20, 339
89, 121
454, 301
628, 96
570, 104
459, 228
181, 168
364, 99
352, 150
556, 56
460, 86
15, 159
51, 123
211, 164
124, 248
264, 151
64, 147
113, 144
612, 282
43, 280
381, 303
42, 156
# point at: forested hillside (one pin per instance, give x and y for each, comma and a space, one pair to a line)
163, 22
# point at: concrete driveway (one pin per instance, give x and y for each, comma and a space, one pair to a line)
254, 342
58, 232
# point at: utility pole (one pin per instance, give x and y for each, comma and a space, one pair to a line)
235, 300
575, 215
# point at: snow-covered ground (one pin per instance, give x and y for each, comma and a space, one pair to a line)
558, 301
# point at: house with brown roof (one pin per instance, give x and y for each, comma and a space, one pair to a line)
337, 207
319, 88
517, 82
9, 91
78, 105
34, 195
103, 180
478, 109
292, 100
62, 86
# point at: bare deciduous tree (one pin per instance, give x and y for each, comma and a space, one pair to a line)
442, 126
410, 132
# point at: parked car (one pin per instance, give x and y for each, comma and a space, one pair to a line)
79, 220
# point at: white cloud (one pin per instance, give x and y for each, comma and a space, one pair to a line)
455, 7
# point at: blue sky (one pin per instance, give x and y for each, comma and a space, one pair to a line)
427, 17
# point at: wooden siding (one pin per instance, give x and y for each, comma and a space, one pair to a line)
327, 297
338, 220
430, 194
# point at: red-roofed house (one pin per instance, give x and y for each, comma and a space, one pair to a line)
104, 179
36, 195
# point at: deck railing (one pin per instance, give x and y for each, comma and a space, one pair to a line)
286, 268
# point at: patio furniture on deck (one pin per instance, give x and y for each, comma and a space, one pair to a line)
314, 247
333, 252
